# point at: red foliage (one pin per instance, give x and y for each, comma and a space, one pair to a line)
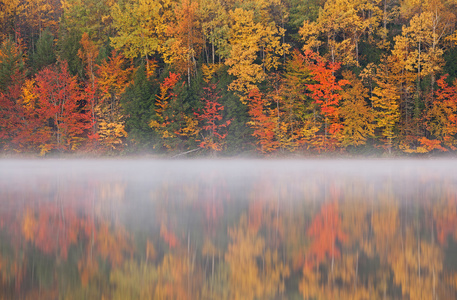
210, 116
62, 104
22, 129
261, 122
325, 91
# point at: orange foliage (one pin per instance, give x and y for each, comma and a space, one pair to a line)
255, 215
430, 145
163, 120
442, 117
114, 245
150, 250
172, 278
54, 230
262, 121
325, 230
168, 236
326, 93
446, 221
87, 269
88, 54
112, 78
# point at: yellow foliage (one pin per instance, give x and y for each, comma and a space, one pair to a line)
111, 134
247, 281
151, 67
172, 279
87, 269
209, 248
358, 117
141, 27
309, 284
416, 264
190, 128
208, 71
45, 148
247, 39
28, 97
29, 225
385, 101
150, 250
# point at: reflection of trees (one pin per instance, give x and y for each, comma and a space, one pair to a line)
54, 246
339, 240
255, 271
390, 250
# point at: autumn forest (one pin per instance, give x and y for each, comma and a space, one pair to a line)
228, 76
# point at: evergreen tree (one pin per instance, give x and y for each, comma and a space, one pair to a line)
138, 105
44, 53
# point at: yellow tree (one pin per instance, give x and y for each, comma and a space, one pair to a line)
91, 16
358, 117
185, 39
88, 54
299, 111
385, 233
406, 80
248, 38
423, 40
125, 281
385, 102
341, 24
215, 28
38, 15
8, 12
141, 27
113, 77
173, 276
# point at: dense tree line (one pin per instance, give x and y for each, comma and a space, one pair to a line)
228, 76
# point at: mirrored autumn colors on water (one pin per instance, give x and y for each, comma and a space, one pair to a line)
228, 229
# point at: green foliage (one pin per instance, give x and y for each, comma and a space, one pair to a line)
138, 106
11, 64
44, 54
67, 49
450, 66
239, 137
299, 11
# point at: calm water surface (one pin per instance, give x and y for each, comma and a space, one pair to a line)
228, 229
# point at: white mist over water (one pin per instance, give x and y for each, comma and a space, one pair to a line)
235, 176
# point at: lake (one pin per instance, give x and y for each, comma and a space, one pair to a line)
228, 229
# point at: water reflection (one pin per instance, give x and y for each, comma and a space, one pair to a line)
228, 229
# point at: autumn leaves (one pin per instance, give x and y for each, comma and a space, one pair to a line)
262, 75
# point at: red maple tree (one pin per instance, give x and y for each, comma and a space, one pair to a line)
211, 119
